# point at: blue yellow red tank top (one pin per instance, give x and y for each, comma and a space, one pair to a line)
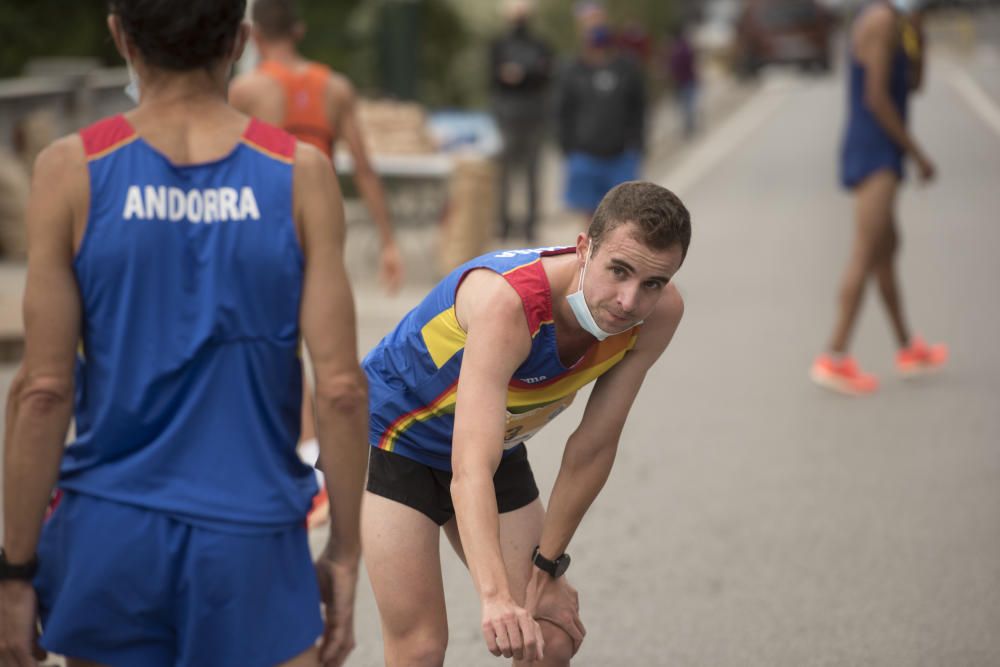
188, 382
413, 372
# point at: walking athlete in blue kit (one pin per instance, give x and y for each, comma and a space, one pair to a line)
491, 355
176, 255
886, 64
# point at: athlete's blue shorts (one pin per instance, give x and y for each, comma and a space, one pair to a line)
123, 586
858, 162
588, 178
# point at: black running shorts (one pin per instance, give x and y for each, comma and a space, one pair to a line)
428, 490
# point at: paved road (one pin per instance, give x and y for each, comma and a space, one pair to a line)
752, 519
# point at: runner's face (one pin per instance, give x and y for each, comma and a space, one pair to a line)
626, 278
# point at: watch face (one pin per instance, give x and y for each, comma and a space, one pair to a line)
561, 566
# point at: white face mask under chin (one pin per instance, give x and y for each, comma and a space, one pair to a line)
906, 6
578, 304
132, 89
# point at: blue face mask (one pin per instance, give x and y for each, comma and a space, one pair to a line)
600, 36
578, 303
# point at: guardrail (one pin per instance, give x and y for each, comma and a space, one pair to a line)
76, 98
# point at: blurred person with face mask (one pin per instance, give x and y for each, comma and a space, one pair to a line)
600, 116
886, 47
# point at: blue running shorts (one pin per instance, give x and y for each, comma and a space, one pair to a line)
588, 178
122, 585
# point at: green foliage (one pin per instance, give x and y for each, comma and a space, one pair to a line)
444, 46
374, 42
335, 38
53, 28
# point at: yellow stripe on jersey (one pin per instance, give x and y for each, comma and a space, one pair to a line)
443, 337
524, 397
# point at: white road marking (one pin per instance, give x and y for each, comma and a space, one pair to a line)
739, 127
977, 98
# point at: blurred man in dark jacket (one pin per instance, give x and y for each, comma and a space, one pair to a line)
601, 116
520, 77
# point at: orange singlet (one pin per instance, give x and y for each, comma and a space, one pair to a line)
305, 102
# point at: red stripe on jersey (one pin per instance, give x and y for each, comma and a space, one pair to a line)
105, 134
270, 138
532, 285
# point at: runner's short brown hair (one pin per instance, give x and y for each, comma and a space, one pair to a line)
659, 215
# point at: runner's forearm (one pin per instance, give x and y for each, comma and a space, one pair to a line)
38, 417
579, 481
892, 122
474, 497
370, 187
342, 421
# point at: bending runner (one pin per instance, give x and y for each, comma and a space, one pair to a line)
491, 355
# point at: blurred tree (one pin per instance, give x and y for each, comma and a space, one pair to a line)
401, 48
443, 42
334, 36
53, 28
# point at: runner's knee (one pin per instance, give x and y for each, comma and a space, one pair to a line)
426, 650
558, 643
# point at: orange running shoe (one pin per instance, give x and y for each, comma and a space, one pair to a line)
918, 358
319, 513
842, 376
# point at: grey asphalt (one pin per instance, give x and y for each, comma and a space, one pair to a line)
753, 520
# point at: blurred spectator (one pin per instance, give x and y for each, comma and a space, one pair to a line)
14, 187
601, 115
520, 78
682, 66
30, 134
589, 13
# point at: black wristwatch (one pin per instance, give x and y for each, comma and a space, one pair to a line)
23, 572
554, 568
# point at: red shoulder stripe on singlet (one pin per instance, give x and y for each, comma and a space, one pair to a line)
270, 140
531, 283
106, 135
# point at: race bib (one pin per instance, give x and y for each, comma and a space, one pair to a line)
523, 425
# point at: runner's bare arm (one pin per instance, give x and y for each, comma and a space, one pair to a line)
344, 116
875, 50
497, 343
590, 450
328, 324
40, 403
